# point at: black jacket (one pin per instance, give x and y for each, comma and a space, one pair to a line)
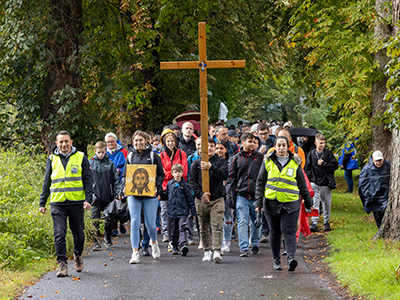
274, 206
189, 147
86, 179
323, 174
180, 199
144, 158
106, 186
243, 169
218, 173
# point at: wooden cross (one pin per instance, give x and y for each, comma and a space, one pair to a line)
203, 64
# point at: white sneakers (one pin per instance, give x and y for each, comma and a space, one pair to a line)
135, 259
207, 256
217, 257
155, 250
226, 247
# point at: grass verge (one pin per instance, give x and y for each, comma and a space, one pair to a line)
366, 266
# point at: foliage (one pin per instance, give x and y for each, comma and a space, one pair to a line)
335, 39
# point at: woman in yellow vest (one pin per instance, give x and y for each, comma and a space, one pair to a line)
279, 185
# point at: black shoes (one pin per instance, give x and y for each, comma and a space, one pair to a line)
145, 251
255, 250
184, 250
327, 227
96, 245
292, 264
314, 227
244, 253
108, 241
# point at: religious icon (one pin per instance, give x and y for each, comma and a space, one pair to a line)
140, 180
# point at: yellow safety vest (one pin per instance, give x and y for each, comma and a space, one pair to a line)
282, 185
67, 183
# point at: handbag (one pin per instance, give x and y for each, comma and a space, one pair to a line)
117, 210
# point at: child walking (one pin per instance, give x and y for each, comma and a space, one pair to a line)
180, 205
106, 187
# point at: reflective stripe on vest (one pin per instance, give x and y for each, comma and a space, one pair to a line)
67, 183
282, 185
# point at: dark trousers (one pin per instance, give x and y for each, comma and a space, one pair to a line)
348, 175
264, 227
378, 216
75, 214
178, 231
286, 224
96, 210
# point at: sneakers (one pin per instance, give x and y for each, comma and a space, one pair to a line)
327, 227
292, 264
78, 263
226, 247
284, 252
165, 238
314, 227
277, 264
175, 251
114, 233
96, 245
264, 239
217, 257
207, 256
155, 250
108, 241
170, 247
145, 251
255, 250
122, 228
185, 250
135, 259
63, 269
191, 242
244, 253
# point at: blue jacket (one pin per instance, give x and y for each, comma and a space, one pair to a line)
118, 158
191, 159
180, 199
373, 186
348, 159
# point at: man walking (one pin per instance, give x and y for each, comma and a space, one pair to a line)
69, 184
243, 171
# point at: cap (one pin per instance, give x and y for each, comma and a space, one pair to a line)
287, 124
377, 155
254, 128
233, 133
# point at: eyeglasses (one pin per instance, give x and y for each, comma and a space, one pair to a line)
110, 142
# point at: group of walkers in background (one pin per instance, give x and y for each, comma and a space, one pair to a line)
258, 176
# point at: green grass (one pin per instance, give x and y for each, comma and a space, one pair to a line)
366, 266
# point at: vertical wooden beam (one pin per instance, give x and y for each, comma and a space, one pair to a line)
203, 104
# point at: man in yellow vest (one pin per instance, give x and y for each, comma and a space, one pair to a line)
69, 184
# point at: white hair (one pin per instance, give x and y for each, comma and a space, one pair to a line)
110, 135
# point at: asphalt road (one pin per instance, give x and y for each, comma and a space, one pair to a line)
108, 275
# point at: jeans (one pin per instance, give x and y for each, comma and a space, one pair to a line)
211, 216
244, 208
286, 224
164, 217
228, 223
149, 205
322, 194
75, 214
348, 175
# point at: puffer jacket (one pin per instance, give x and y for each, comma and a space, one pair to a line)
106, 186
373, 186
180, 199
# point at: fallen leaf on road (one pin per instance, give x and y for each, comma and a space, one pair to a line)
221, 292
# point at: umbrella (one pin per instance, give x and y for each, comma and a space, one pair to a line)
196, 124
235, 121
188, 115
303, 131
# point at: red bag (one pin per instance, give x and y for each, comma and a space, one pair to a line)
304, 227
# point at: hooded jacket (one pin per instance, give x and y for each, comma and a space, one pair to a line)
86, 179
243, 169
187, 146
144, 158
180, 199
106, 184
373, 186
179, 157
273, 206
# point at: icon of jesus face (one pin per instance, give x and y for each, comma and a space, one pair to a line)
140, 181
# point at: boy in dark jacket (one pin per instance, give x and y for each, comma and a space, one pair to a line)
180, 205
210, 206
320, 168
106, 187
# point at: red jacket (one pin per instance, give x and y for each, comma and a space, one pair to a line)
179, 158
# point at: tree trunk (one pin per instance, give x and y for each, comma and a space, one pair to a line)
380, 135
390, 228
63, 43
